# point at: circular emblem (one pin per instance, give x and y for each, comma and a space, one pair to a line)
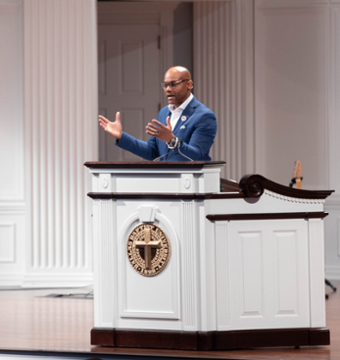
148, 249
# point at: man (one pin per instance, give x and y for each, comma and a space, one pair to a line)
184, 130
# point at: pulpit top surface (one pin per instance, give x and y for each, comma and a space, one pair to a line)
153, 164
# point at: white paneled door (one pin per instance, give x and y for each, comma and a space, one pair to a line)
129, 82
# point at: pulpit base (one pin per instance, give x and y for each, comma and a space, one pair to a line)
213, 340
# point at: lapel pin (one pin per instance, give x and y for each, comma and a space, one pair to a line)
183, 118
182, 127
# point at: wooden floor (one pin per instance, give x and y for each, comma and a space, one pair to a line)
31, 322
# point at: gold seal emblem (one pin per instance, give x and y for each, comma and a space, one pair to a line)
148, 249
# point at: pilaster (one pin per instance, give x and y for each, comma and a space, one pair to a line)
60, 76
223, 78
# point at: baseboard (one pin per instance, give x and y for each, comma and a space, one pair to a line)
11, 280
332, 272
213, 340
47, 280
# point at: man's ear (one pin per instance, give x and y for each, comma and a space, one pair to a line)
190, 84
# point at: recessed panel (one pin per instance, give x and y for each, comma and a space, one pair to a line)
286, 272
222, 275
132, 67
146, 183
102, 75
133, 124
147, 297
148, 294
7, 242
251, 262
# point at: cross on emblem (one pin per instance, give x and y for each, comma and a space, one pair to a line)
147, 245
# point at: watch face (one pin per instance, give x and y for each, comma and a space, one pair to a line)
173, 142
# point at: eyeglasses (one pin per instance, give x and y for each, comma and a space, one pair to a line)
172, 84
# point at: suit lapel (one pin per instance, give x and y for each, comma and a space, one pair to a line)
188, 111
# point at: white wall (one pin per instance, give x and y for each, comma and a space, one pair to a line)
291, 99
297, 88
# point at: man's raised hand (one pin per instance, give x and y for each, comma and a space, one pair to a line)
160, 131
113, 128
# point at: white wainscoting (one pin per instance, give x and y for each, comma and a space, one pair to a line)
12, 237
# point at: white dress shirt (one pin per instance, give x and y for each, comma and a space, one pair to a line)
176, 113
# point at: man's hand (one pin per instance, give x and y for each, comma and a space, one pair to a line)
160, 131
113, 128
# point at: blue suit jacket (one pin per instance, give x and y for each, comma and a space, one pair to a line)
197, 132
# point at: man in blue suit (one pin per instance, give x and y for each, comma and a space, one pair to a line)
184, 130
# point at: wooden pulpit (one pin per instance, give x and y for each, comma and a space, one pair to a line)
185, 260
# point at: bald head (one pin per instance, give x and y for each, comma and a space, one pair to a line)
177, 85
180, 72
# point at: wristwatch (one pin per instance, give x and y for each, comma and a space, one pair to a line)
172, 144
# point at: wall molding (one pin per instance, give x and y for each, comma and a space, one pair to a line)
134, 13
11, 279
12, 208
10, 242
57, 279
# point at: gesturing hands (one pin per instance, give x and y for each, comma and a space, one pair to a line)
155, 128
113, 128
160, 131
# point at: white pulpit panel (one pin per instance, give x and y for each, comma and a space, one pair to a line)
251, 261
150, 302
286, 272
269, 263
141, 297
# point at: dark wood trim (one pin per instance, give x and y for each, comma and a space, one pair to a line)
214, 340
164, 196
268, 216
254, 185
103, 337
229, 185
227, 195
152, 164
